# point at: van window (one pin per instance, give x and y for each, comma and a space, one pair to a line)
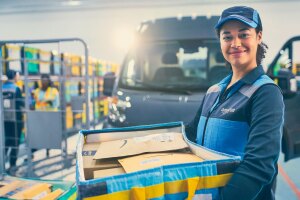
172, 64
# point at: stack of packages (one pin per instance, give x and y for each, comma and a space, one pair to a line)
148, 162
134, 154
21, 189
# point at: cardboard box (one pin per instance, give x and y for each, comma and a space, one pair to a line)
10, 187
151, 160
108, 172
138, 145
53, 195
90, 165
217, 171
19, 189
4, 183
36, 191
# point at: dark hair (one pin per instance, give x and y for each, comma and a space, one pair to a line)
261, 48
47, 77
11, 74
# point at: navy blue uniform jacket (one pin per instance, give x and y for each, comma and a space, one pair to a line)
245, 120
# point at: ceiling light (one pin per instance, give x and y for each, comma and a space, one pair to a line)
72, 3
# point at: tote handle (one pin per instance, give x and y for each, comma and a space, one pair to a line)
192, 184
138, 193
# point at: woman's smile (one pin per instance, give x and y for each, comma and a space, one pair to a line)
237, 53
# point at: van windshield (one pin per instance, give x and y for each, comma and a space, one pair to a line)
176, 64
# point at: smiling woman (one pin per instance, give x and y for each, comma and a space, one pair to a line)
237, 115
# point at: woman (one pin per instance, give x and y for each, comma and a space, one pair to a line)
243, 114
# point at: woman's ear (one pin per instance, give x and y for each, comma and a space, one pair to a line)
259, 37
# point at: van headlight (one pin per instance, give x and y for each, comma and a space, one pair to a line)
117, 109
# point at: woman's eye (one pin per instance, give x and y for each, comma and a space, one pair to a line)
244, 35
227, 38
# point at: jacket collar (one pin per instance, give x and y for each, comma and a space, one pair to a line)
253, 75
249, 78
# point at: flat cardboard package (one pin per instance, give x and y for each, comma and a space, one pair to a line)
36, 191
90, 165
109, 172
4, 190
137, 145
53, 195
151, 160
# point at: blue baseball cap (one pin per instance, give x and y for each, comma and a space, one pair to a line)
244, 14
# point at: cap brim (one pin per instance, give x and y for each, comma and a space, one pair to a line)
238, 18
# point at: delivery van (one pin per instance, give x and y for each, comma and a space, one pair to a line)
167, 72
165, 75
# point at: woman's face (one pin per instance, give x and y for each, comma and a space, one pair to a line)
239, 44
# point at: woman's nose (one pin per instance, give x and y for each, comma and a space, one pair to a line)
236, 43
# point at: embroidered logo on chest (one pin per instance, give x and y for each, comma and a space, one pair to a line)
227, 110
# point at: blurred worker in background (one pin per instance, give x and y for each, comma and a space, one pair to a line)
31, 92
242, 115
46, 97
13, 117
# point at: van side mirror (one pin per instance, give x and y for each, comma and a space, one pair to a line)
108, 83
287, 82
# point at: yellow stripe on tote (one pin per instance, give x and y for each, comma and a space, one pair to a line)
116, 195
159, 190
206, 182
135, 193
213, 181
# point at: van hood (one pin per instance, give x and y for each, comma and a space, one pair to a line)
148, 107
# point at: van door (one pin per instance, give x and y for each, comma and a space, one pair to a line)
288, 58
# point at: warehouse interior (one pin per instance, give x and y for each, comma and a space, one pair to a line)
90, 54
